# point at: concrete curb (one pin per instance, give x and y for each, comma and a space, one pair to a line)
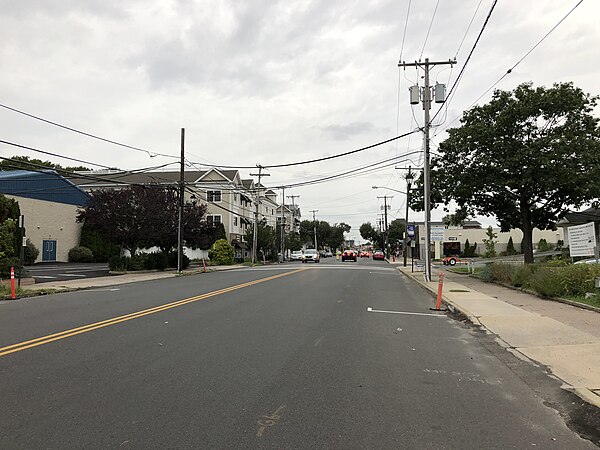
587, 395
115, 280
472, 317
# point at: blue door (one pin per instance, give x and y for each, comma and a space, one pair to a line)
49, 250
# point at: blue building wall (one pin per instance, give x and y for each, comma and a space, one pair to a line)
44, 185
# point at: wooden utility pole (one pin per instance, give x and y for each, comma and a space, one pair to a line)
257, 203
426, 99
314, 211
293, 226
181, 193
385, 224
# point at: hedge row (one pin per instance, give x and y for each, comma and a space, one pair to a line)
556, 280
147, 261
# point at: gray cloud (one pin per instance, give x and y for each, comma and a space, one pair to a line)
344, 132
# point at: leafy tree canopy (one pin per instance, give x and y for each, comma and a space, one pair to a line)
138, 217
526, 157
9, 208
27, 163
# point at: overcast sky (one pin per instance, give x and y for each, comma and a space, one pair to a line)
271, 82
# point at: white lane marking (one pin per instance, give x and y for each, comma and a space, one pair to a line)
70, 275
369, 309
103, 290
45, 277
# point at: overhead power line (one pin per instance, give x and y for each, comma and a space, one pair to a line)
25, 147
462, 70
509, 71
429, 29
93, 136
311, 161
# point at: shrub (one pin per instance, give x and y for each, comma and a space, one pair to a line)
7, 263
81, 255
102, 248
547, 281
158, 261
499, 272
172, 257
522, 275
221, 252
126, 263
31, 253
510, 247
543, 246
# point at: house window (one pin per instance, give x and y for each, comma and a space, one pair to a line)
213, 220
213, 196
235, 221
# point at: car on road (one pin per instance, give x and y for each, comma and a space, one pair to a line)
452, 260
296, 256
349, 255
310, 254
328, 254
587, 261
378, 254
365, 254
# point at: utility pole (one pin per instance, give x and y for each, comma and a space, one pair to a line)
257, 203
385, 222
181, 191
315, 226
23, 245
408, 178
283, 224
439, 98
293, 226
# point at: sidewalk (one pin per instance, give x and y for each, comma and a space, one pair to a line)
129, 277
564, 338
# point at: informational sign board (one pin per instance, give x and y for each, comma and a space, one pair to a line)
437, 233
411, 231
582, 240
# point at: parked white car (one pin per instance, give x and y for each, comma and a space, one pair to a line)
296, 256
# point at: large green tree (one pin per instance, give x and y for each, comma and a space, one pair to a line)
526, 157
369, 233
137, 217
396, 230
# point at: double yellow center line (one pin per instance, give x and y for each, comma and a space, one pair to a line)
135, 315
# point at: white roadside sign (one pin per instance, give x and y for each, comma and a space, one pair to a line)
437, 233
582, 240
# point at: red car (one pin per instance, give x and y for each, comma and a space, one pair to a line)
378, 254
365, 255
349, 255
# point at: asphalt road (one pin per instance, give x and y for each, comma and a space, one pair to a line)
46, 272
279, 357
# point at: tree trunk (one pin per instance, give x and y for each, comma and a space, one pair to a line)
527, 243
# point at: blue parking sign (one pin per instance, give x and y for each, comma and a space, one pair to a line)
411, 231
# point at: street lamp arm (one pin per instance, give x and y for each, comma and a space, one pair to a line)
383, 187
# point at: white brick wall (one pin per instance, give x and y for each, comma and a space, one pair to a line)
50, 220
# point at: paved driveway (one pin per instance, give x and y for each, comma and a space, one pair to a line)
46, 272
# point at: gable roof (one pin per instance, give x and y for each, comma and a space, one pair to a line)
113, 178
581, 217
44, 185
